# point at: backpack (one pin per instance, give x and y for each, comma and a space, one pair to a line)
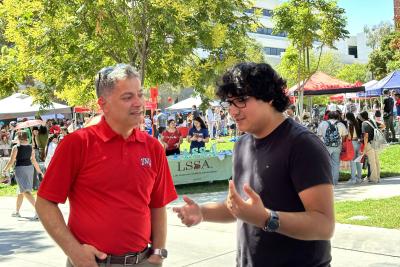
332, 137
378, 142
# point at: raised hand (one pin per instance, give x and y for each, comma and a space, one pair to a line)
190, 214
251, 211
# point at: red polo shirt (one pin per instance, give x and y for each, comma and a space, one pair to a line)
111, 184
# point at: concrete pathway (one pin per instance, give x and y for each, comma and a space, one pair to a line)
25, 243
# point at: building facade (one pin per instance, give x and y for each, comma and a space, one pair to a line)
350, 50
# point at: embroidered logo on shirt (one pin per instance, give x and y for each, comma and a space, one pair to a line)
146, 162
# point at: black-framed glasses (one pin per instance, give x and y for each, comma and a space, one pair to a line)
239, 102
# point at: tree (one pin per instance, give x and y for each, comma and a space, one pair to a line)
63, 43
387, 58
327, 62
376, 33
308, 22
353, 72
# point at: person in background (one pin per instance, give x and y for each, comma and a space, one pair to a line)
148, 125
223, 122
179, 119
24, 158
291, 113
54, 127
281, 193
171, 139
333, 141
51, 148
367, 130
397, 97
195, 112
63, 133
41, 140
161, 122
210, 121
5, 145
198, 134
354, 130
117, 182
388, 104
35, 146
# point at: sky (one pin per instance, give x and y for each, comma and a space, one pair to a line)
366, 12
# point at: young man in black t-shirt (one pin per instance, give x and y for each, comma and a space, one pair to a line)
281, 195
388, 104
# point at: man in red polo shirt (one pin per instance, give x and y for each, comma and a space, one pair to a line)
117, 181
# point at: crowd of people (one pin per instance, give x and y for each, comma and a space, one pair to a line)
118, 183
357, 124
23, 149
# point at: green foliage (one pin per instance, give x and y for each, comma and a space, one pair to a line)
387, 58
376, 33
328, 63
64, 43
353, 72
378, 212
10, 74
308, 22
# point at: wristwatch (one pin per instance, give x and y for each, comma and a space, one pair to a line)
272, 225
162, 252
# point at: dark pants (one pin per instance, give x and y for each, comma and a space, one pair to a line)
172, 152
389, 127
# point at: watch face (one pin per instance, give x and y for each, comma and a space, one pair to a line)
273, 225
164, 253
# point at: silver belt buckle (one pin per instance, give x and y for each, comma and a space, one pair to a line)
129, 256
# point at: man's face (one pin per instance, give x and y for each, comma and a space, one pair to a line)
252, 117
123, 106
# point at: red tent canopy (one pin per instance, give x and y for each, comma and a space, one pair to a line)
322, 84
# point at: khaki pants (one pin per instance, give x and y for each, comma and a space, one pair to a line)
373, 161
142, 264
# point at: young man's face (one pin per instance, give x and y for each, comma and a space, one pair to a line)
124, 104
252, 117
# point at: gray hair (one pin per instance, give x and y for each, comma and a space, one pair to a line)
107, 77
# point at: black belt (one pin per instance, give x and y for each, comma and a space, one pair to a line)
127, 259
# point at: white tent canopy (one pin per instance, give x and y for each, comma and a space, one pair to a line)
21, 105
188, 103
185, 104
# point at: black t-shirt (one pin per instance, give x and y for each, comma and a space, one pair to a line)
388, 104
368, 128
278, 167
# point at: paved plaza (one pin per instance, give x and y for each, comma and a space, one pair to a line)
24, 242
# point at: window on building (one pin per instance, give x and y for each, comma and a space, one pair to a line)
267, 12
268, 31
353, 51
273, 51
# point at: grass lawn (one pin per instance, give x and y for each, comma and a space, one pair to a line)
370, 212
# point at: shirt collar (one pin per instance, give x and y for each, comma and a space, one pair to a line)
105, 132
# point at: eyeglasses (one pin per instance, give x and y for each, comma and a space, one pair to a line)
239, 102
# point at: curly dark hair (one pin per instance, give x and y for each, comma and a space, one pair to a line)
259, 80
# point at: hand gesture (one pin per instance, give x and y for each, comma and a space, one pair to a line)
190, 214
251, 210
87, 257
